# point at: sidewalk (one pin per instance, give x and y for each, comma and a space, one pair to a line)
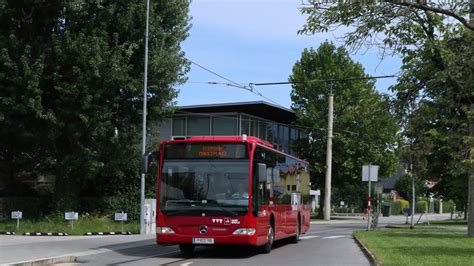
16, 248
393, 219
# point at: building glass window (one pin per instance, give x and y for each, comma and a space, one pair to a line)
245, 125
179, 126
224, 126
272, 133
198, 126
283, 137
262, 130
293, 138
254, 128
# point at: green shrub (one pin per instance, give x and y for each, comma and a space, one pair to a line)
404, 204
396, 207
448, 206
342, 210
32, 207
421, 206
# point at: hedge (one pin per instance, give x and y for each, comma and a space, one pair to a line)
38, 207
421, 206
396, 207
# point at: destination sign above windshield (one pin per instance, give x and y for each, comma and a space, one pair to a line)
205, 151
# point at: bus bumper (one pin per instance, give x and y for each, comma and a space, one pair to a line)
218, 240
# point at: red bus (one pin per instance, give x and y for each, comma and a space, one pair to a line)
234, 190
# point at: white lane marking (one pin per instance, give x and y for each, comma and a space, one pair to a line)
187, 263
308, 237
332, 237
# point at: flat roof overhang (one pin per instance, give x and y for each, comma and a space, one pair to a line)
260, 109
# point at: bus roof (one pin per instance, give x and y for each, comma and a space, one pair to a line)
243, 138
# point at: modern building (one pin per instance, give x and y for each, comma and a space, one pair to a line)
260, 119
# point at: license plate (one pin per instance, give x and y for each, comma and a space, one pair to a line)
207, 241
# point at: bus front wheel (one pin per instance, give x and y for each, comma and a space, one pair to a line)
187, 249
267, 247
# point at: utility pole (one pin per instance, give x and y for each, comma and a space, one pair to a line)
145, 84
369, 207
412, 225
470, 202
327, 192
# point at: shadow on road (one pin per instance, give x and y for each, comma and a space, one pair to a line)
147, 249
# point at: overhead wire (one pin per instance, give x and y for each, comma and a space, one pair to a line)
321, 80
233, 83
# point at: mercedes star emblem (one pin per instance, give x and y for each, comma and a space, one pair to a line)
202, 229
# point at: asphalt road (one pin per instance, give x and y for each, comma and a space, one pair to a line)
324, 244
327, 243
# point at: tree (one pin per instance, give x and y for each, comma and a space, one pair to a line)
71, 79
364, 127
403, 186
435, 41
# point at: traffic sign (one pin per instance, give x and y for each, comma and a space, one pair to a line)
371, 171
71, 216
120, 216
17, 215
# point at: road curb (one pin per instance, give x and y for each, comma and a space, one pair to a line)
7, 233
367, 252
44, 234
46, 261
106, 233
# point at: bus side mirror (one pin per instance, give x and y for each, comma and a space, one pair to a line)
146, 159
262, 172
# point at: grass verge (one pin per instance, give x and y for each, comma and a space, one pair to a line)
57, 224
419, 246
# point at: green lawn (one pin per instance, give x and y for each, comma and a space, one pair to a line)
419, 246
57, 224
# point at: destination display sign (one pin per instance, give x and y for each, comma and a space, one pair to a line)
206, 151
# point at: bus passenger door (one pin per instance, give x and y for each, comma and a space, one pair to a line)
260, 205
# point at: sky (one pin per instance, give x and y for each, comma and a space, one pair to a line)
255, 41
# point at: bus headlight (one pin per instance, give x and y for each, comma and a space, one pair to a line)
164, 230
244, 231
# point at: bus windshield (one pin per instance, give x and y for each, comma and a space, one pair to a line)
205, 187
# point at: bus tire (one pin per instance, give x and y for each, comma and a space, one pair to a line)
267, 247
187, 249
296, 238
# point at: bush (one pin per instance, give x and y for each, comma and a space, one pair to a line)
342, 210
404, 204
32, 207
396, 207
421, 206
448, 206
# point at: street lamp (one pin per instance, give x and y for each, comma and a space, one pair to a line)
145, 81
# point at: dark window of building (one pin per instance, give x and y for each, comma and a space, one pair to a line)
283, 137
198, 126
245, 124
262, 130
293, 138
272, 132
179, 126
254, 128
224, 126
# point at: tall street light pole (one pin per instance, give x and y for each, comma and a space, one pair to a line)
145, 84
470, 204
327, 192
